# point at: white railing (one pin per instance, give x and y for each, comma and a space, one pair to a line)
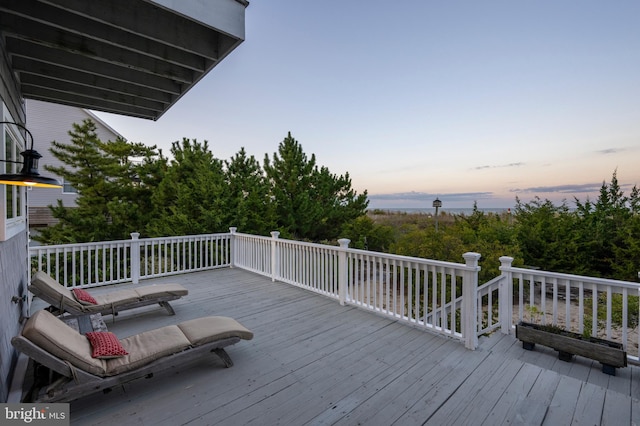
439, 296
596, 307
112, 262
307, 265
86, 264
435, 295
488, 300
443, 297
426, 293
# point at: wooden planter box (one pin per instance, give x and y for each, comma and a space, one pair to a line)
610, 354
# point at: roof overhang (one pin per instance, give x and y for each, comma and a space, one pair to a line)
131, 57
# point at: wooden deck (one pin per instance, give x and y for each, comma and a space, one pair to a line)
314, 362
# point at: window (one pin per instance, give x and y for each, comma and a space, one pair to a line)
68, 188
13, 200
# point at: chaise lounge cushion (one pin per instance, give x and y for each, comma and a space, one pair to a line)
155, 290
204, 330
48, 289
146, 347
57, 338
117, 297
54, 336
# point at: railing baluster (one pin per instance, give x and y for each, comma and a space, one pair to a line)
554, 320
594, 307
609, 311
625, 319
520, 296
580, 307
567, 304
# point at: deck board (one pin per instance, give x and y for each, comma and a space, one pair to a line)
590, 405
315, 362
405, 387
564, 402
513, 395
617, 409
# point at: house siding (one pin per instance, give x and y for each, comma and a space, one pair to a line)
13, 252
13, 282
52, 122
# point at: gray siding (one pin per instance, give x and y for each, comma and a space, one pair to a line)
13, 282
52, 122
13, 252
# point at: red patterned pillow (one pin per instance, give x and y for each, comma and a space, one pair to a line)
83, 297
105, 345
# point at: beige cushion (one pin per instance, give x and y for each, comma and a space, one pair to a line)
57, 338
146, 347
50, 290
54, 290
204, 330
117, 297
160, 290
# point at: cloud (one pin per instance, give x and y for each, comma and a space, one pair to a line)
610, 151
425, 196
618, 150
500, 166
563, 189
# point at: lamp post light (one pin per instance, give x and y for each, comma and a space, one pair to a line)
437, 204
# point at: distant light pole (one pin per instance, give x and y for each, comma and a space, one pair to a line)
437, 204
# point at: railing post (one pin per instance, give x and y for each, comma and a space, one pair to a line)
232, 246
470, 301
275, 261
343, 281
135, 257
505, 295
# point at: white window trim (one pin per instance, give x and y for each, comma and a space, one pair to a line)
64, 188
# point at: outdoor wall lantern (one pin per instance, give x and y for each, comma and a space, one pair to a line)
437, 204
29, 175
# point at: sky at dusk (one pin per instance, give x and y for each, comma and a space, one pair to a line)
462, 100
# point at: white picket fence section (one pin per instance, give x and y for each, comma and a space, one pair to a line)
597, 307
489, 302
425, 293
310, 266
442, 297
113, 262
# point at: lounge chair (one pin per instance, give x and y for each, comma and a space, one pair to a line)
63, 299
53, 344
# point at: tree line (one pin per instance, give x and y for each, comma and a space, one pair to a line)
598, 238
126, 187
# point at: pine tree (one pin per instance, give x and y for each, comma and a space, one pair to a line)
108, 196
605, 230
250, 207
310, 202
289, 177
192, 196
